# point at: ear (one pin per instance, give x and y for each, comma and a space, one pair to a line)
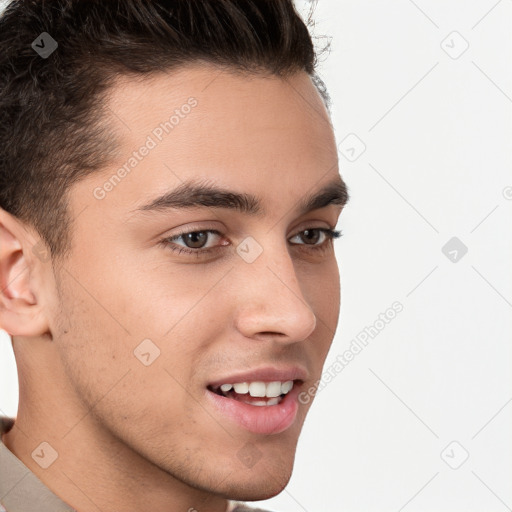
22, 258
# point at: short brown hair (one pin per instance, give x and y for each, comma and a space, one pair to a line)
51, 129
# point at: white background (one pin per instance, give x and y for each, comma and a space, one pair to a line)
437, 132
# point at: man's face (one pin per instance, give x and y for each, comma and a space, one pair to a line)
147, 335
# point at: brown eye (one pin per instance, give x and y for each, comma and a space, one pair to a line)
311, 236
195, 240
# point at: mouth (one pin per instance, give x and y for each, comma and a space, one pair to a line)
264, 402
258, 393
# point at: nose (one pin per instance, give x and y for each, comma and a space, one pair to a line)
271, 301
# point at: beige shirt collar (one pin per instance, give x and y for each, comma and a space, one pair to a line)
20, 489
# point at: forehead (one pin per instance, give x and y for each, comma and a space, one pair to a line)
232, 110
261, 134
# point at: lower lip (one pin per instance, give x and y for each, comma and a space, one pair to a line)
266, 419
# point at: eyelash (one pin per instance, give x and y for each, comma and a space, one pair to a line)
167, 242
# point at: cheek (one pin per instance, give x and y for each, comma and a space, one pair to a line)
92, 349
322, 291
321, 288
156, 327
132, 394
156, 301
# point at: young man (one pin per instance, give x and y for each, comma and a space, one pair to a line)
169, 191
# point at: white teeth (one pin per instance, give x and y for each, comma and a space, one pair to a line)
259, 389
273, 389
261, 403
241, 387
286, 386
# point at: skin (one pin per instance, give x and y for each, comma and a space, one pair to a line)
136, 437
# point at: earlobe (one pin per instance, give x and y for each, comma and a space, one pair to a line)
21, 314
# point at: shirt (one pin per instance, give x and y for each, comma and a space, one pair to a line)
22, 491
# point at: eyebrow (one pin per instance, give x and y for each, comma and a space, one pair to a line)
191, 194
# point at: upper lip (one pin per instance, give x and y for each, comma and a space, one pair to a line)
264, 374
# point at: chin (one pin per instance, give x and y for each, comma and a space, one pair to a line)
260, 483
